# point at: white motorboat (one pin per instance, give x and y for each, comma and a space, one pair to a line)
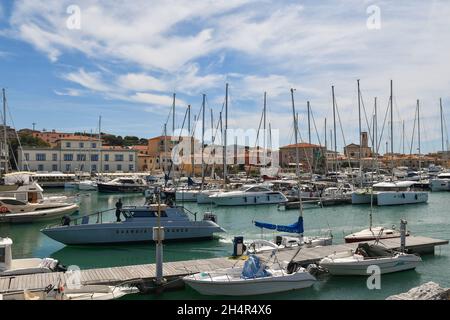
357, 262
86, 292
87, 185
137, 227
373, 233
254, 278
441, 182
249, 195
18, 211
390, 193
16, 267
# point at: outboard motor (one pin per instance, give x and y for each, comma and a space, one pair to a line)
278, 240
238, 246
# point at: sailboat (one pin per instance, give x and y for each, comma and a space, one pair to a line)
284, 242
373, 233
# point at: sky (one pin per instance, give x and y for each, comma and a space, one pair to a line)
65, 63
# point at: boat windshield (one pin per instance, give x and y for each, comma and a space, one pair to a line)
145, 214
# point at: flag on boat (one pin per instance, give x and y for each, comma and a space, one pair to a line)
293, 228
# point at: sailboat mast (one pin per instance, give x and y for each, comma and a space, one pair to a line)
264, 131
442, 124
297, 168
334, 125
100, 142
418, 135
165, 148
212, 145
173, 115
203, 139
325, 126
225, 139
309, 122
360, 139
375, 124
5, 139
392, 128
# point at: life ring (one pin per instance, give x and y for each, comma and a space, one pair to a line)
4, 209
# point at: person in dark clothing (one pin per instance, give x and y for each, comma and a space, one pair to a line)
118, 209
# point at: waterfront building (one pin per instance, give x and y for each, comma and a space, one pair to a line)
78, 154
353, 150
310, 156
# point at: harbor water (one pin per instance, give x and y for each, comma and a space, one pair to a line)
431, 219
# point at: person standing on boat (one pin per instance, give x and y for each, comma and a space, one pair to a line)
118, 209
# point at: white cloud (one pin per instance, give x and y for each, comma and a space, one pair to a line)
68, 92
88, 80
140, 82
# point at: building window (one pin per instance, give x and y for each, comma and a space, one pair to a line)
94, 145
94, 157
94, 167
131, 158
119, 167
118, 157
81, 144
55, 157
68, 145
68, 157
54, 167
68, 168
81, 157
106, 157
131, 167
40, 157
27, 156
106, 167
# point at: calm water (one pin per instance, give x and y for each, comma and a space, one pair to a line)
432, 219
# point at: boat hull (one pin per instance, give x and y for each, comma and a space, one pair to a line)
399, 198
41, 215
121, 233
440, 185
245, 200
360, 268
107, 188
250, 287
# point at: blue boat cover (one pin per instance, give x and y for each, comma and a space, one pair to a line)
293, 228
253, 269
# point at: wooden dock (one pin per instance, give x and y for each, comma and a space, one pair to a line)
176, 270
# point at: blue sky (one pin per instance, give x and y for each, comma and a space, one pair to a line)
128, 58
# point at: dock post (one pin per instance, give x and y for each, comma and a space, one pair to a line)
158, 236
403, 224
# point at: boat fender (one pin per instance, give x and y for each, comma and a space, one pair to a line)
4, 210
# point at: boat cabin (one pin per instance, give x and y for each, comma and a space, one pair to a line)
393, 187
